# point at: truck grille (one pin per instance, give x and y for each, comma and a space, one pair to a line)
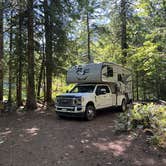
65, 101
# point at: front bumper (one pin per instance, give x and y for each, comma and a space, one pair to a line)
78, 111
69, 114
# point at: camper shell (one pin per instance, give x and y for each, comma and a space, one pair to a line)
117, 76
98, 73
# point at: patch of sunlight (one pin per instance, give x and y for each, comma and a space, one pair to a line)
71, 146
164, 161
103, 139
137, 162
5, 133
117, 147
150, 161
32, 131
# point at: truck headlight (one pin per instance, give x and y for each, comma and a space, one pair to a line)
78, 101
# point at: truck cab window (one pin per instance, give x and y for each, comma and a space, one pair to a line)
102, 90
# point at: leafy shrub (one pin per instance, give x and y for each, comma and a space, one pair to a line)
151, 118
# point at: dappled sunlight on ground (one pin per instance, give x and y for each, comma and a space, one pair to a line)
164, 160
32, 131
117, 147
150, 161
5, 134
71, 146
147, 162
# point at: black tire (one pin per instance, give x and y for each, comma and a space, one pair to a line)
123, 106
90, 112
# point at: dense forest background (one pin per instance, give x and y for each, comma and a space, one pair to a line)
41, 39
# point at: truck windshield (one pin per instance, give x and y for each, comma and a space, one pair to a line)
83, 89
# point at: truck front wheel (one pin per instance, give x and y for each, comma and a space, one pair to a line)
123, 106
90, 112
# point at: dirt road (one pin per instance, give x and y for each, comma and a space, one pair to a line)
41, 139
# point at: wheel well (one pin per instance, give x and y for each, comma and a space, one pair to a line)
90, 103
123, 100
130, 101
127, 98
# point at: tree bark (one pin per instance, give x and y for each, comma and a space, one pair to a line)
41, 74
143, 86
44, 82
88, 37
124, 45
48, 51
157, 81
31, 98
20, 59
10, 61
1, 51
137, 91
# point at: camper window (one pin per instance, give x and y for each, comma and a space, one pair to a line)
119, 77
109, 72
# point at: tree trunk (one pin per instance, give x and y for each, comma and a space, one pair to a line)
157, 81
1, 51
10, 62
137, 92
31, 99
88, 37
48, 51
124, 45
143, 87
20, 59
44, 82
41, 74
133, 93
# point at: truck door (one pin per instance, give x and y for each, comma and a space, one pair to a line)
103, 96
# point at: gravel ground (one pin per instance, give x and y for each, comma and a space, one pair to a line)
42, 139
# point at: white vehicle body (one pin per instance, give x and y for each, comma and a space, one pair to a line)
100, 85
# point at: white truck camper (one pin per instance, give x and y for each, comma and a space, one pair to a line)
98, 86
